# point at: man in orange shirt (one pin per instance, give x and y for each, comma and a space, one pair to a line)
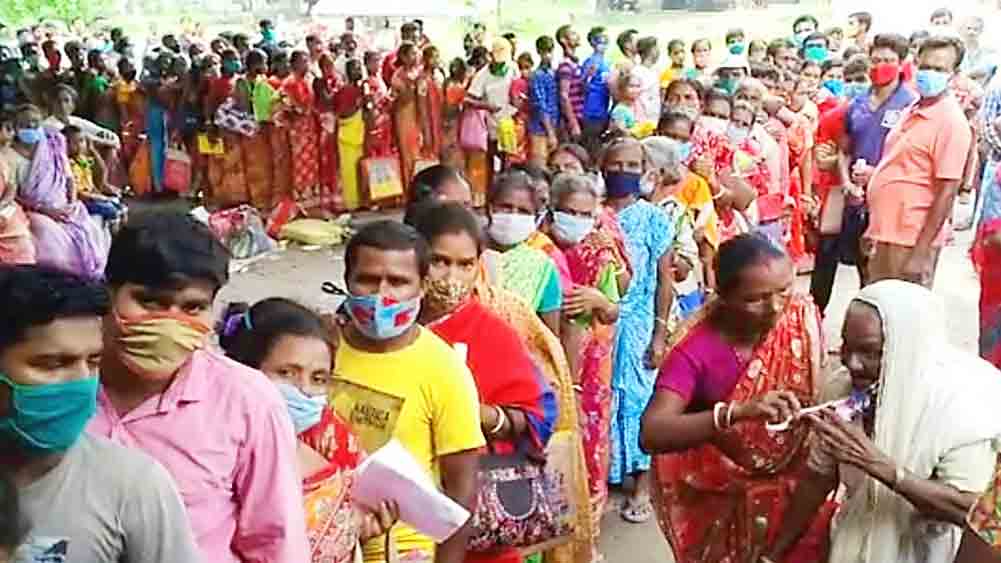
912, 189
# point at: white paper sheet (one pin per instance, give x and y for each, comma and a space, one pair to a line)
392, 473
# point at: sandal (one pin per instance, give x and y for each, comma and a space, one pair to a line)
637, 512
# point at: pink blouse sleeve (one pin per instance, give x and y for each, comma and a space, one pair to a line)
678, 374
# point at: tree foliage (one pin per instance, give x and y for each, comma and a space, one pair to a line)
25, 12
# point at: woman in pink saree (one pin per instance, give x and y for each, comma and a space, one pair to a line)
65, 236
599, 276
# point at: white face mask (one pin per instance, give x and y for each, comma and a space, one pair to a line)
737, 134
509, 229
648, 184
714, 124
570, 228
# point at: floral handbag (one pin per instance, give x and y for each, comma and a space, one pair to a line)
520, 504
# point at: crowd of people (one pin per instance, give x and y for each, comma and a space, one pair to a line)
593, 281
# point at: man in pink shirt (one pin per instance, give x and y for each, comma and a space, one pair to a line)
221, 429
912, 189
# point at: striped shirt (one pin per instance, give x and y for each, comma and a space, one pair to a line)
570, 71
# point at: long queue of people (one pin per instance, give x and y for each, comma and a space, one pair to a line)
604, 283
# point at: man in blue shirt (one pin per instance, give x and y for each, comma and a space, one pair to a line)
867, 123
545, 102
597, 94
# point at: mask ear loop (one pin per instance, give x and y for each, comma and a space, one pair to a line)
330, 288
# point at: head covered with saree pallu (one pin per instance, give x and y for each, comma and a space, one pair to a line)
932, 399
716, 507
74, 243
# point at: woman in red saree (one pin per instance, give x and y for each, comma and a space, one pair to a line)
455, 94
751, 356
517, 406
407, 115
304, 140
379, 140
326, 87
430, 89
291, 345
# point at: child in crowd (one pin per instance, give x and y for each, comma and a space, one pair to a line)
624, 118
676, 68
90, 175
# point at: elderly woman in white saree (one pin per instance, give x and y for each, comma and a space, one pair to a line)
913, 445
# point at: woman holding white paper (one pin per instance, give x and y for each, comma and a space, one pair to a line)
518, 408
291, 345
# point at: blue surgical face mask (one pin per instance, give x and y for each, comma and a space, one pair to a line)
728, 85
305, 411
571, 228
931, 83
800, 37
30, 136
856, 89
46, 419
382, 318
622, 184
684, 150
737, 48
836, 87
815, 53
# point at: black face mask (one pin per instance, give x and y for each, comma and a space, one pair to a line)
129, 75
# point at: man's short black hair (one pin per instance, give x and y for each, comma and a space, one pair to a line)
767, 72
777, 45
646, 46
166, 250
36, 296
941, 13
387, 235
595, 33
625, 37
545, 44
733, 34
944, 42
864, 18
859, 64
806, 19
893, 41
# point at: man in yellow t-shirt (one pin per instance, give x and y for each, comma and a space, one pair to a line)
383, 349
